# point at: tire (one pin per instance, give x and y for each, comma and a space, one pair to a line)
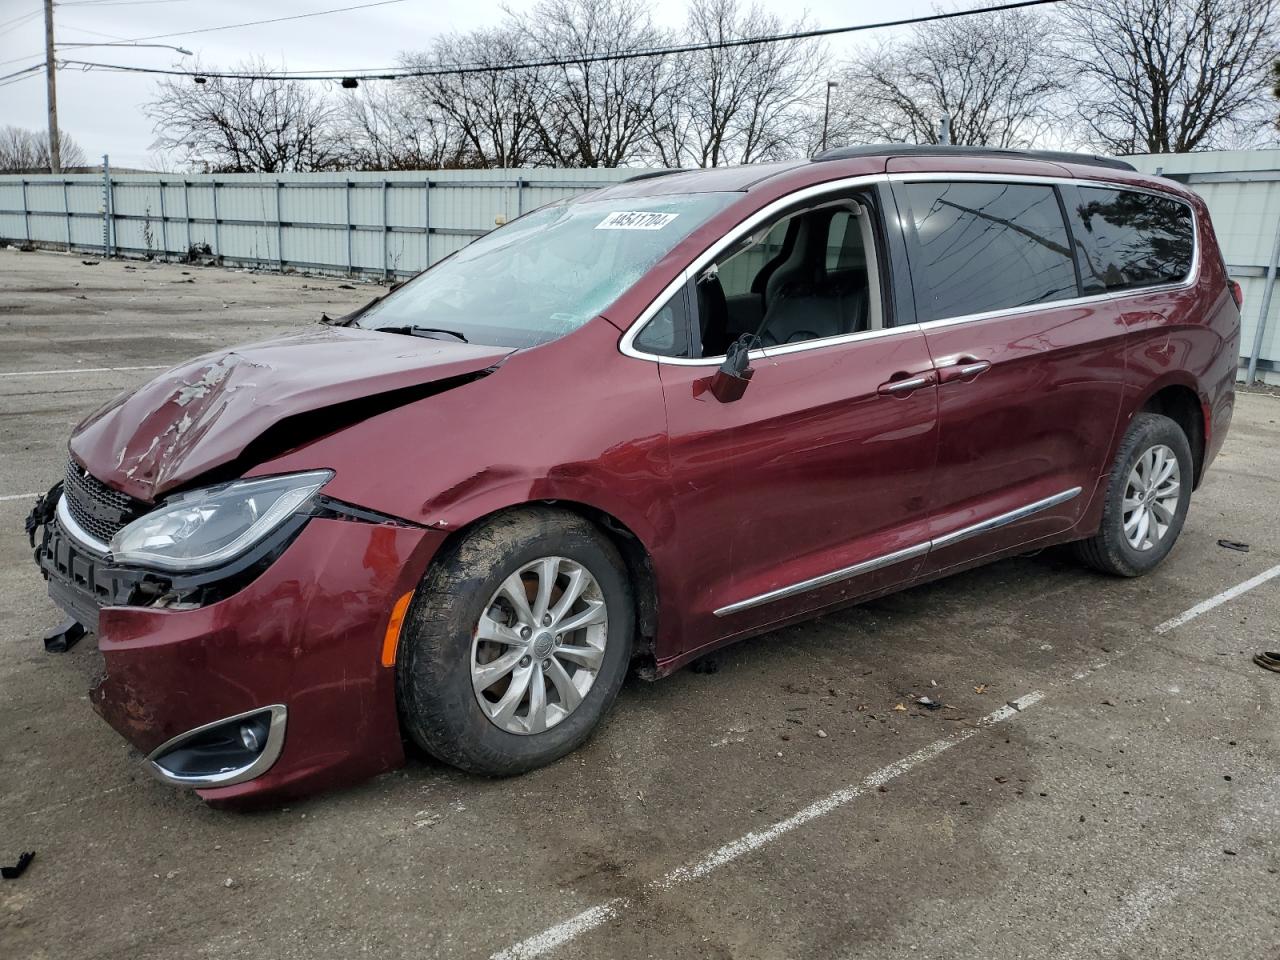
1112, 549
445, 646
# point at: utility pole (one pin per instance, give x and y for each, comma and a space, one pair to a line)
55, 147
826, 111
944, 130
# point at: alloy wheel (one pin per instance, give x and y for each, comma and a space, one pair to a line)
1151, 497
539, 645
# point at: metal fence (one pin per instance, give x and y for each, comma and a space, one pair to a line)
385, 224
396, 224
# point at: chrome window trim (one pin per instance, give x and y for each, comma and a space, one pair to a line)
1190, 280
625, 345
897, 556
261, 764
77, 532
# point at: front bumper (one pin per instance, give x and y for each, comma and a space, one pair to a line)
306, 634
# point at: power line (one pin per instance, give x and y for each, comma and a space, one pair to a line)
258, 23
18, 22
399, 73
113, 3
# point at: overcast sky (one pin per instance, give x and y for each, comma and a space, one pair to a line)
103, 111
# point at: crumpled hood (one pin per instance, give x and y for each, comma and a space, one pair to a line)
203, 414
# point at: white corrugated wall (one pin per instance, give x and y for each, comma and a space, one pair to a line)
342, 222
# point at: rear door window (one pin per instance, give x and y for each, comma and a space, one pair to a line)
1128, 240
979, 247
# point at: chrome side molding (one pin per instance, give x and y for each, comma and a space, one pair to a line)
1004, 519
898, 556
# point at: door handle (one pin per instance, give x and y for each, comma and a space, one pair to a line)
900, 388
963, 368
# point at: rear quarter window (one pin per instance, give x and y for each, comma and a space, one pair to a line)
1128, 239
980, 247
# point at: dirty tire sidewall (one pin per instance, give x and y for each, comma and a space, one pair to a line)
1109, 549
433, 666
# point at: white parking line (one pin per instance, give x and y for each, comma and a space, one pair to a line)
1221, 598
52, 373
18, 496
561, 933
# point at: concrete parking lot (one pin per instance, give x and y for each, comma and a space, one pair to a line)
1104, 780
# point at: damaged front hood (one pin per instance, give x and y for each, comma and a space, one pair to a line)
204, 414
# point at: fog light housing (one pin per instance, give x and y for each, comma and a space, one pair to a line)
225, 752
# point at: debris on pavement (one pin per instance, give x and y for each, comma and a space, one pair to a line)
89, 263
64, 636
14, 872
928, 703
1268, 660
900, 707
822, 734
1234, 545
980, 688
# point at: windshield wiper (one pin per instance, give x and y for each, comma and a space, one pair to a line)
416, 331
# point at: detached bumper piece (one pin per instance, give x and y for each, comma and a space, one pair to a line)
64, 636
225, 752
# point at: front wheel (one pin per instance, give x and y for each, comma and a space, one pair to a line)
516, 644
1147, 499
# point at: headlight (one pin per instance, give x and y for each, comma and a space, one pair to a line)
205, 528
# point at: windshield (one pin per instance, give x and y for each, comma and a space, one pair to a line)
547, 273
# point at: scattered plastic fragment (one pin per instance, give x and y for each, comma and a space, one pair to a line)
1234, 545
64, 636
1268, 660
14, 872
928, 703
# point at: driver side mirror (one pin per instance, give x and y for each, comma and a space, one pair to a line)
729, 382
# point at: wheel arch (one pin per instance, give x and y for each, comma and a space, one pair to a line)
635, 556
1183, 405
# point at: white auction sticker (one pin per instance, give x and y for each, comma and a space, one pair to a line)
632, 220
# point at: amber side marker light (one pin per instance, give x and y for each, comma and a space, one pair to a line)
392, 640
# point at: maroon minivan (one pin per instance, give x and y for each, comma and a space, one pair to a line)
627, 429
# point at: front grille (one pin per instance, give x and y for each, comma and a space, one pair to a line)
99, 510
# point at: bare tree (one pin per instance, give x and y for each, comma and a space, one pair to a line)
27, 151
991, 75
1275, 89
1168, 76
738, 104
386, 128
596, 113
241, 125
492, 114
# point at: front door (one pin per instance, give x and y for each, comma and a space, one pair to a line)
813, 487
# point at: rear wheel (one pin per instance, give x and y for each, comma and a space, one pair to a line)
1147, 499
517, 643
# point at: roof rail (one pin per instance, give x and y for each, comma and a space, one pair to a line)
650, 174
940, 150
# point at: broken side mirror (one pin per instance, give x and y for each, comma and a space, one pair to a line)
729, 382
